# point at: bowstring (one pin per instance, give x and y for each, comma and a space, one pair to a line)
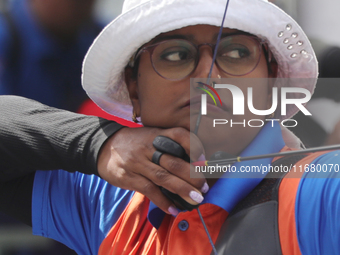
213, 62
200, 115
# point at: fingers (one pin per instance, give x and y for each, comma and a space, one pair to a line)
175, 183
125, 161
153, 192
183, 170
119, 174
178, 167
189, 141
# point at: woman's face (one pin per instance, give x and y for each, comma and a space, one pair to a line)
165, 103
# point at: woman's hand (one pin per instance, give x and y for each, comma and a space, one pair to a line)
125, 161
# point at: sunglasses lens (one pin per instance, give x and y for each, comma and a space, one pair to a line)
174, 59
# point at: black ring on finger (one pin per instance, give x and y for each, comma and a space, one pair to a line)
156, 157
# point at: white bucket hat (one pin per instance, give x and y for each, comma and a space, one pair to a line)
142, 20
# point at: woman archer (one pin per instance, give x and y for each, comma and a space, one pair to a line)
140, 67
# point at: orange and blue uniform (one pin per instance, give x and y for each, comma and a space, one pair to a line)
92, 217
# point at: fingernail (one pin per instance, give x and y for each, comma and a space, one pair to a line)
173, 211
197, 197
205, 188
201, 158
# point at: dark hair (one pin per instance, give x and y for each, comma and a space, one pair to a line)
269, 58
135, 68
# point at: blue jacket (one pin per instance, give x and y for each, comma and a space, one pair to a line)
37, 66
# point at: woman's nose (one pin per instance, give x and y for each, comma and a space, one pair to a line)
204, 64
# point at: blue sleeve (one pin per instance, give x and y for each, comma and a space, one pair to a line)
75, 209
5, 39
318, 207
